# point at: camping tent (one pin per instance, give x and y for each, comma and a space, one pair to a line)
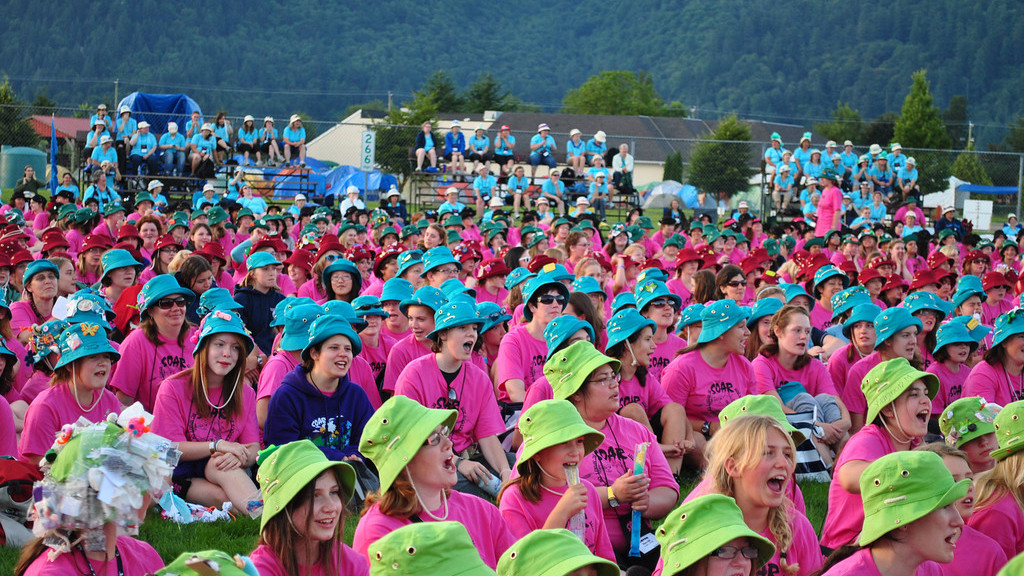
661, 195
159, 109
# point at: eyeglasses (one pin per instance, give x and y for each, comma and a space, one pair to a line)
168, 303
435, 438
729, 552
551, 299
448, 270
736, 283
606, 381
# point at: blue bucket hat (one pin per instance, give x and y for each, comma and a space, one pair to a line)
492, 314
794, 290
624, 324
560, 329
118, 258
763, 307
535, 285
82, 340
87, 306
343, 265
588, 285
960, 330
921, 300
623, 300
892, 320
436, 257
1007, 325
327, 326
969, 282
45, 339
967, 289
517, 277
297, 322
218, 298
159, 287
861, 313
826, 272
556, 272
690, 315
36, 266
719, 317
221, 322
452, 315
396, 290
369, 306
284, 306
453, 287
651, 290
847, 298
426, 296
652, 274
407, 260
346, 311
4, 349
260, 260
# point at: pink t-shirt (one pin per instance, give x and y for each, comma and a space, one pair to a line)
405, 351
479, 416
993, 384
137, 557
614, 457
651, 396
677, 287
793, 492
541, 390
839, 367
989, 312
76, 240
378, 357
976, 555
830, 203
520, 357
486, 527
664, 353
523, 517
482, 295
347, 562
771, 375
845, 515
8, 430
861, 563
309, 290
150, 365
396, 336
361, 374
22, 316
704, 390
279, 364
1003, 521
951, 385
853, 398
175, 416
53, 408
820, 317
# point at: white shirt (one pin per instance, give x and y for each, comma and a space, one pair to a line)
618, 163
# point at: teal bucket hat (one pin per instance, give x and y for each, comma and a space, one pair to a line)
892, 320
218, 298
535, 285
763, 307
556, 272
284, 306
159, 287
1007, 325
624, 324
82, 340
343, 265
651, 274
848, 298
113, 208
436, 257
921, 300
517, 277
651, 290
407, 260
719, 317
36, 266
826, 272
118, 258
960, 330
588, 285
346, 311
792, 291
452, 287
88, 306
559, 330
369, 306
623, 300
861, 313
44, 339
223, 322
492, 314
964, 292
452, 315
426, 296
690, 315
260, 260
396, 290
297, 322
327, 326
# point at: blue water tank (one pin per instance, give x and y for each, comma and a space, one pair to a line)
13, 160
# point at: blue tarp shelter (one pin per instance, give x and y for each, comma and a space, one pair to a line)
980, 189
159, 109
342, 177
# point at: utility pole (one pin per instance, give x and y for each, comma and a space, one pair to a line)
389, 100
114, 103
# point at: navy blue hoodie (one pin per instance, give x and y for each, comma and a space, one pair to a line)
335, 423
257, 312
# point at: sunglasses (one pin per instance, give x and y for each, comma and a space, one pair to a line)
736, 283
729, 552
661, 303
332, 257
551, 299
435, 438
452, 402
493, 317
168, 303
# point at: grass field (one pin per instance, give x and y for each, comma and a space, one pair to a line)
239, 537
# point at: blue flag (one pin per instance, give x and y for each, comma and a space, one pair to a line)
53, 158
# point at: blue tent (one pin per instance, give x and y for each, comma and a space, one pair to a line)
342, 177
159, 109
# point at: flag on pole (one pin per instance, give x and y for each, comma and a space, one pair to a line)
53, 157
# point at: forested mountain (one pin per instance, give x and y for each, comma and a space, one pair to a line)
789, 60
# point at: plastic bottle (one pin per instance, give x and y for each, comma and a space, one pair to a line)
578, 523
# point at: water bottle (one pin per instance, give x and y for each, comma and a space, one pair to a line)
578, 523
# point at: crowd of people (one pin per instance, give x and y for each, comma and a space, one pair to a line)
479, 391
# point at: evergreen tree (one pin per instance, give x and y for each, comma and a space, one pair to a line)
879, 131
485, 93
846, 124
955, 119
920, 122
1015, 137
968, 168
440, 91
673, 169
14, 127
723, 166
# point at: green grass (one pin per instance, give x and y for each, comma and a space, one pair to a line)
239, 536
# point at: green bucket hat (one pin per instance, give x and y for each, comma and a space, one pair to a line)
624, 324
551, 553
886, 381
570, 367
677, 240
285, 470
82, 340
223, 322
427, 548
113, 208
560, 329
902, 487
396, 432
549, 423
699, 527
327, 326
216, 215
1009, 428
760, 405
719, 317
201, 563
966, 419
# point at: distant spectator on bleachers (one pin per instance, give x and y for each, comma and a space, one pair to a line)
203, 146
597, 194
223, 131
782, 187
484, 187
553, 189
598, 168
173, 147
906, 179
296, 208
802, 156
426, 148
451, 201
542, 150
518, 185
504, 149
622, 170
143, 150
814, 166
294, 141
28, 182
773, 155
881, 176
67, 188
351, 201
878, 208
478, 149
98, 131
897, 159
100, 191
102, 116
105, 152
455, 148
125, 127
193, 126
253, 202
248, 141
205, 198
576, 151
596, 147
860, 171
268, 141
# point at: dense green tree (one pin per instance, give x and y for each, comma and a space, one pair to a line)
956, 121
1015, 137
846, 124
485, 93
722, 166
968, 168
673, 169
43, 104
616, 92
441, 92
920, 123
879, 131
14, 127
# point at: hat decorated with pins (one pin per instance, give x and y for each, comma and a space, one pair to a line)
552, 552
44, 340
561, 329
492, 314
1009, 428
654, 272
1007, 325
408, 259
884, 383
222, 322
624, 324
216, 298
690, 315
437, 257
542, 283
650, 291
452, 315
719, 317
760, 405
88, 306
396, 432
82, 340
961, 330
967, 418
345, 310
568, 369
921, 300
697, 528
415, 549
517, 277
160, 287
588, 285
848, 298
826, 272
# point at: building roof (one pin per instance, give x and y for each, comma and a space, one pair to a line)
66, 126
